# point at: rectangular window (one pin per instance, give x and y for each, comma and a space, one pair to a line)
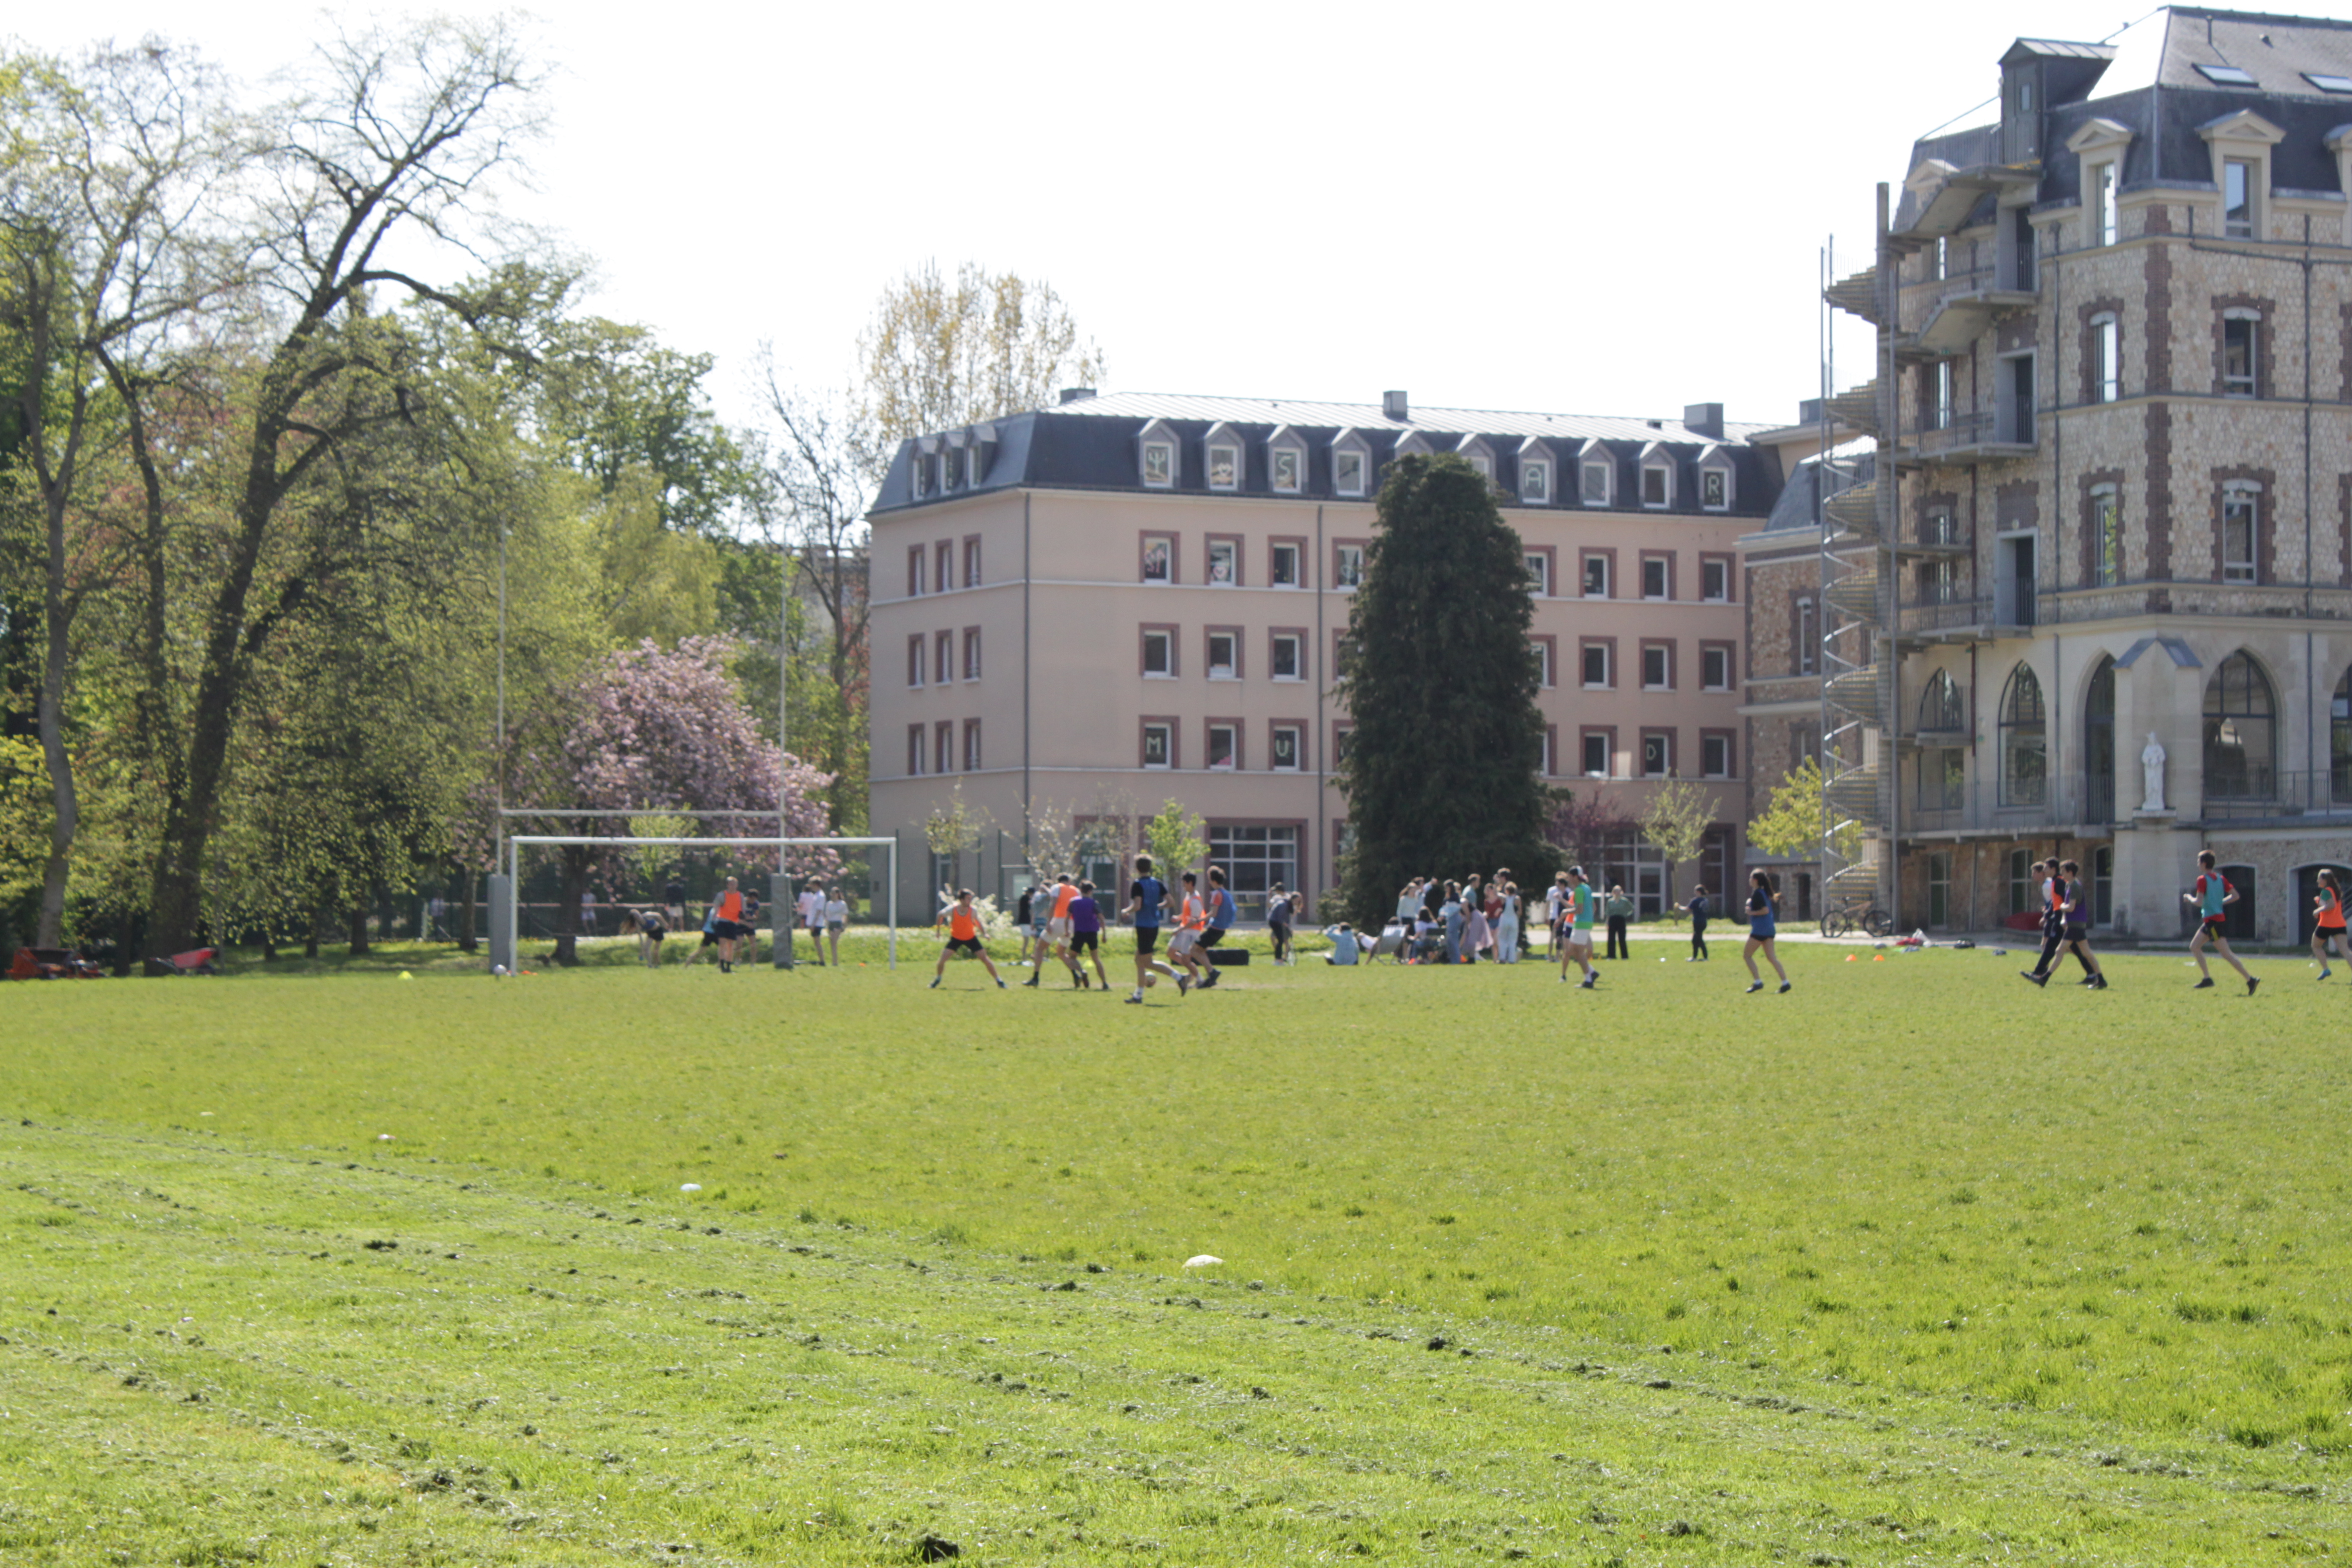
1343, 656
2240, 555
2099, 182
1159, 651
1160, 465
2240, 349
943, 746
1715, 579
951, 473
972, 561
1286, 747
1943, 778
1936, 414
1657, 667
1937, 527
971, 653
2023, 897
971, 745
1657, 484
1535, 483
1225, 653
1286, 656
1346, 565
1715, 754
1546, 647
1224, 562
1657, 577
1159, 744
1282, 566
1539, 573
1809, 638
2106, 535
2107, 359
914, 751
1715, 488
1596, 575
1715, 666
2237, 199
1158, 558
1225, 745
916, 646
1224, 467
1256, 860
1939, 581
1594, 656
1657, 753
943, 665
1600, 745
1290, 468
1343, 742
1347, 472
915, 571
1596, 484
943, 578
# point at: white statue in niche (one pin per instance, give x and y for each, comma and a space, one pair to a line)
2151, 768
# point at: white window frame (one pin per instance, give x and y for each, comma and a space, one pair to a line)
1717, 476
1723, 570
1341, 579
1608, 588
2106, 504
1665, 676
1232, 733
2102, 227
1167, 745
1544, 659
1167, 642
1297, 642
2249, 227
1722, 682
1351, 448
1606, 470
1231, 550
1273, 566
1585, 761
1665, 569
1665, 469
2248, 385
1283, 455
1711, 747
2106, 339
1808, 638
1584, 653
1231, 669
1539, 492
1166, 450
1539, 568
1297, 733
1666, 753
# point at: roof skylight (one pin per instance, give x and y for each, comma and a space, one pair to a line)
2329, 83
2229, 75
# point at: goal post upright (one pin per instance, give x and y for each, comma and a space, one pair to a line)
504, 921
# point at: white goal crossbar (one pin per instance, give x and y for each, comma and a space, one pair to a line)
507, 916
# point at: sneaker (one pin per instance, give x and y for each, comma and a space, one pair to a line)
935, 986
1080, 977
2204, 984
1208, 980
1755, 988
1137, 998
1784, 988
1032, 981
2098, 983
1000, 985
2325, 972
1183, 983
2250, 983
2039, 979
1591, 983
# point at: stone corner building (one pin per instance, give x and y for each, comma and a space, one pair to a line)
2111, 493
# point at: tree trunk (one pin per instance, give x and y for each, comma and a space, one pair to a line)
359, 927
317, 919
567, 904
465, 943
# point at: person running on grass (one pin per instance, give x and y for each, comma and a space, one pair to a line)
1085, 934
1064, 893
1147, 906
2329, 930
2211, 898
1184, 947
1577, 908
2054, 921
1222, 916
963, 939
1763, 904
2077, 918
1699, 911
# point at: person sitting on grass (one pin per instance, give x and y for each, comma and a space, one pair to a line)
963, 939
1344, 946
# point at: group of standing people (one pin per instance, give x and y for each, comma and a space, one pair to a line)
1459, 923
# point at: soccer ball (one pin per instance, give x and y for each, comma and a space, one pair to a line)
498, 969
1150, 980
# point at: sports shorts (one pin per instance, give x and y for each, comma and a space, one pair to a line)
1182, 942
1057, 929
1580, 936
1214, 935
1146, 939
2077, 933
1085, 942
835, 926
726, 930
964, 945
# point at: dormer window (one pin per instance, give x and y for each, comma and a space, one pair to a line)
1535, 481
1351, 464
1286, 463
2237, 199
2242, 144
1598, 469
1473, 450
2099, 197
1156, 456
1715, 477
1657, 478
2100, 144
950, 469
1223, 446
919, 474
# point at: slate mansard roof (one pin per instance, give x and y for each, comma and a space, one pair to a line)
1092, 444
2147, 80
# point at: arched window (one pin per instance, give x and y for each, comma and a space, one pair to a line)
1940, 705
2241, 732
2339, 742
2024, 742
2099, 745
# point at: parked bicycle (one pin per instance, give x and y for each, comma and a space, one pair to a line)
1864, 914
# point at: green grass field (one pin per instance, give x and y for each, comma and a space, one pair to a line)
1916, 1264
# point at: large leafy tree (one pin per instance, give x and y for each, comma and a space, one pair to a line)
1443, 772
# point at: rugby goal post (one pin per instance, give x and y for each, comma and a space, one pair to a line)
505, 936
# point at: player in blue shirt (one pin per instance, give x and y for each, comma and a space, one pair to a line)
1147, 908
1763, 903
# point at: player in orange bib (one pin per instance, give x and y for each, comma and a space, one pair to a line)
963, 937
1057, 926
729, 926
1184, 947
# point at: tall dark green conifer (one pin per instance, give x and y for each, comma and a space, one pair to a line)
1442, 772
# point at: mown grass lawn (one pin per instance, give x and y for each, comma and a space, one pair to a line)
1916, 1263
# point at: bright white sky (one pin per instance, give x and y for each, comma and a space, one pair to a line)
1573, 208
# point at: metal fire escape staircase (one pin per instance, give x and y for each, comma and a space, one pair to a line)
1858, 597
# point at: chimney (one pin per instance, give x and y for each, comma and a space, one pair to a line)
1809, 411
1397, 407
1704, 419
1076, 394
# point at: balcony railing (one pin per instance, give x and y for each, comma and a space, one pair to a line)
1999, 432
2257, 795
